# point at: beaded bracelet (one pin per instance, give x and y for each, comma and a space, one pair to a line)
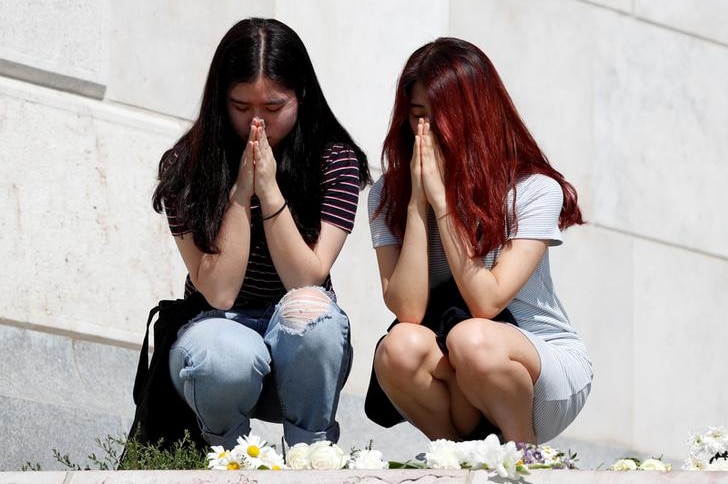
285, 204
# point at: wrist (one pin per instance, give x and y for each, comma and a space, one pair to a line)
240, 196
270, 200
441, 210
417, 210
277, 212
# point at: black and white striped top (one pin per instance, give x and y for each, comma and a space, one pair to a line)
538, 206
339, 198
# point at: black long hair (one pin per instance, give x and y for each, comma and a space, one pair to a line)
196, 175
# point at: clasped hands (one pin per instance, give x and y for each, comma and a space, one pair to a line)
257, 172
427, 170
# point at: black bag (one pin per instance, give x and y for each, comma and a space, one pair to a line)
160, 412
445, 308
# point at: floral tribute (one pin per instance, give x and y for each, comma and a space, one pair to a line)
634, 464
508, 460
708, 451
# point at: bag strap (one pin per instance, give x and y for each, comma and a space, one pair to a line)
143, 365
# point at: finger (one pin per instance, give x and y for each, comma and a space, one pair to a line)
263, 137
249, 154
426, 139
416, 149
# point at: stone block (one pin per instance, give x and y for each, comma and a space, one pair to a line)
680, 334
59, 44
659, 168
85, 236
706, 19
160, 51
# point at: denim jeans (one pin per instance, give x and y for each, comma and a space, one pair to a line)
282, 363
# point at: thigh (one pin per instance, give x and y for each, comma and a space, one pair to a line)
219, 350
474, 341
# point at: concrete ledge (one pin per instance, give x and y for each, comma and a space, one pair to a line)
358, 477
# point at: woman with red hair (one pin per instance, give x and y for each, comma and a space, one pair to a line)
462, 221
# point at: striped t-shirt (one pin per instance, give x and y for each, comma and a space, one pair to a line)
339, 198
538, 206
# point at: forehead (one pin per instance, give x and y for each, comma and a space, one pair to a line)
260, 89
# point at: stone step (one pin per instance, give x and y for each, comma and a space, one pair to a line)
358, 477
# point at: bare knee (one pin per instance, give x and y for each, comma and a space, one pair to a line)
474, 346
402, 351
300, 308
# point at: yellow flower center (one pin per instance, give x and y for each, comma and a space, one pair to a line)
276, 467
253, 451
222, 454
233, 466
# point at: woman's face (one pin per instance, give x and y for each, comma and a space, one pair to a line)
419, 106
264, 99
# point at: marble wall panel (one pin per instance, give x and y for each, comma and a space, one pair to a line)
659, 116
52, 42
680, 336
704, 18
86, 250
160, 50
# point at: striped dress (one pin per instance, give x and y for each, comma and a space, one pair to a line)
566, 371
339, 198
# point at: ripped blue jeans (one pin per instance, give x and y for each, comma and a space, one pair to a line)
283, 363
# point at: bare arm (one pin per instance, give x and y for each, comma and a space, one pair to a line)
297, 264
404, 270
219, 277
488, 292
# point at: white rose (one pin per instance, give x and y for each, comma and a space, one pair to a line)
654, 465
443, 454
368, 459
624, 465
297, 457
325, 455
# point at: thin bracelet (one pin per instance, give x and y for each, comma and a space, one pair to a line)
443, 215
285, 204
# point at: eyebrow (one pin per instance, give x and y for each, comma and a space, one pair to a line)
274, 102
415, 105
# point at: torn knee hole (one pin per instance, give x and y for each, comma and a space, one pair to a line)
302, 307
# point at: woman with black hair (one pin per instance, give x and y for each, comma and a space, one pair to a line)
260, 195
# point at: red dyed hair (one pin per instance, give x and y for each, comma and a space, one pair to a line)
485, 144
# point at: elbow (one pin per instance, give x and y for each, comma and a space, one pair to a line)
218, 296
223, 304
488, 311
222, 300
406, 313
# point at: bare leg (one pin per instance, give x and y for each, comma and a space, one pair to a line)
495, 368
405, 363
